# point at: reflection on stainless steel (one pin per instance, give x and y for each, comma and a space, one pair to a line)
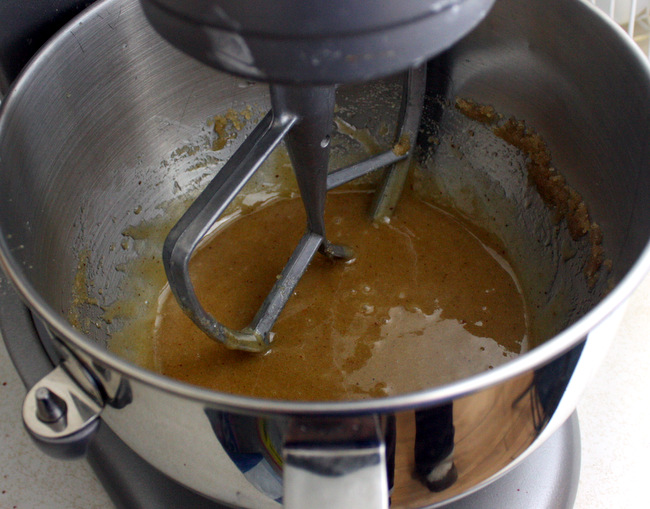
434, 449
85, 144
492, 428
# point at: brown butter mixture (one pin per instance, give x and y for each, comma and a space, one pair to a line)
425, 301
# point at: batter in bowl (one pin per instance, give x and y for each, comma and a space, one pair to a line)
425, 301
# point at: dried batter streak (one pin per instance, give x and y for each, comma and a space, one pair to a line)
566, 202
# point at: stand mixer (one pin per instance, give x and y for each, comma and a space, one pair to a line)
303, 50
85, 133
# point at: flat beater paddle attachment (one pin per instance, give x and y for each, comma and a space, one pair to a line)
302, 116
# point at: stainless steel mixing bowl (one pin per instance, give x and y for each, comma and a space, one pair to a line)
89, 145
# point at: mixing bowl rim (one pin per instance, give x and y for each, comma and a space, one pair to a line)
529, 361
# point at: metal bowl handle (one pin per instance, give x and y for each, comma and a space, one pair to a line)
335, 463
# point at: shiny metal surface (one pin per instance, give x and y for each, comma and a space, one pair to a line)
546, 479
84, 133
61, 416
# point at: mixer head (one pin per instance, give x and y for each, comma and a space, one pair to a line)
303, 49
318, 42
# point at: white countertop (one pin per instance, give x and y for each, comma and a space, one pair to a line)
614, 416
614, 419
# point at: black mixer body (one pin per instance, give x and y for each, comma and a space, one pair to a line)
314, 42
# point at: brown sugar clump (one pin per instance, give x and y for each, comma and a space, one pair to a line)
402, 147
479, 112
551, 185
596, 260
577, 216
